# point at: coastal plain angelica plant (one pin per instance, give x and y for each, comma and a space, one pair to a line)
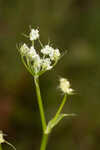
37, 63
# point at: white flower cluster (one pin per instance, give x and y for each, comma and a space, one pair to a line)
54, 54
24, 49
48, 57
65, 86
34, 34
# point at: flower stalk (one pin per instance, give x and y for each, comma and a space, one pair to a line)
61, 106
43, 120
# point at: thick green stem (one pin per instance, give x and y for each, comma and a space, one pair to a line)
44, 142
0, 147
43, 120
61, 106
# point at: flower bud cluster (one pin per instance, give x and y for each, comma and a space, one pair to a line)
65, 86
42, 61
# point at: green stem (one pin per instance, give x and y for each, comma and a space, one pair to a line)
44, 142
0, 147
61, 106
43, 120
33, 43
40, 43
26, 65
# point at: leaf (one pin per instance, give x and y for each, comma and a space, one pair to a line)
53, 122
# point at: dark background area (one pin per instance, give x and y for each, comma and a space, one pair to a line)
72, 25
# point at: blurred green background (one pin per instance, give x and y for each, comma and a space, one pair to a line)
72, 25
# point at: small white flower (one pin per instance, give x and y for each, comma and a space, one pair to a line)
24, 49
56, 55
46, 64
32, 53
37, 59
47, 50
34, 34
1, 137
37, 63
65, 86
70, 91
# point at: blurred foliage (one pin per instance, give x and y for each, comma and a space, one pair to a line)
72, 25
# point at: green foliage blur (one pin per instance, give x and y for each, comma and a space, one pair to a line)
72, 26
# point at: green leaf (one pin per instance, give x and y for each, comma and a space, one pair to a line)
53, 122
